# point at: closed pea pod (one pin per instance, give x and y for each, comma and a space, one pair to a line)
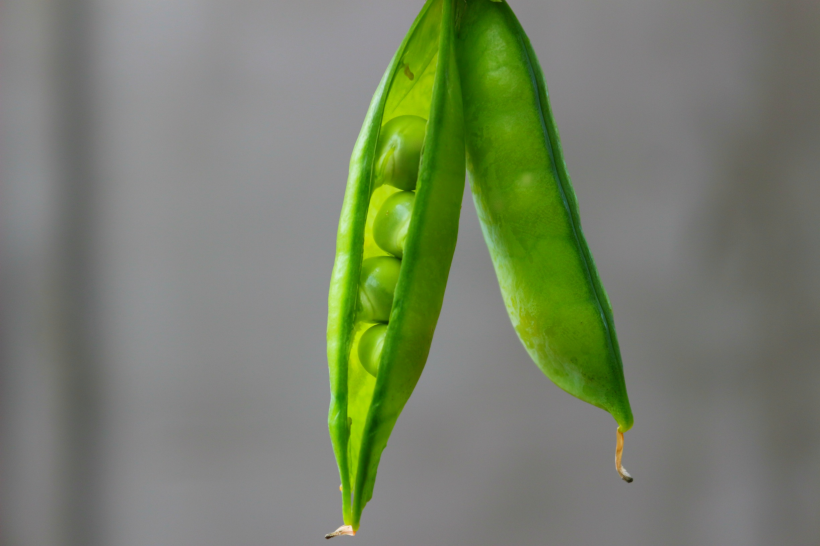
395, 243
529, 214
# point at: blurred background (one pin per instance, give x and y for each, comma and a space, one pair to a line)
172, 175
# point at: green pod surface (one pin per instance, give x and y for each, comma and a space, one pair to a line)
529, 213
422, 80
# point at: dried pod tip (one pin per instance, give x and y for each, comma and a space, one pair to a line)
619, 451
343, 530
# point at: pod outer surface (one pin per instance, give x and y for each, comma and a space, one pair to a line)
363, 411
529, 214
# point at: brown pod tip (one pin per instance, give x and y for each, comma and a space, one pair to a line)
619, 452
343, 530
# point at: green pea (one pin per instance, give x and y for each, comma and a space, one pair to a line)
392, 222
370, 348
377, 287
399, 152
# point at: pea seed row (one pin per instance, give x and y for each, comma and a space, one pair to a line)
398, 154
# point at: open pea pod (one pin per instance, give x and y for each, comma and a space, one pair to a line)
397, 234
529, 213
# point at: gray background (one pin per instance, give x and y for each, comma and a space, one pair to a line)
172, 175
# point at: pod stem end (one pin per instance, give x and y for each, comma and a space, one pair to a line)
619, 451
343, 530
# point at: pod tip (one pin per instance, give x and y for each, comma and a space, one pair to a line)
343, 530
619, 451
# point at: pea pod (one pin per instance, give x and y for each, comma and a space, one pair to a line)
529, 213
385, 300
